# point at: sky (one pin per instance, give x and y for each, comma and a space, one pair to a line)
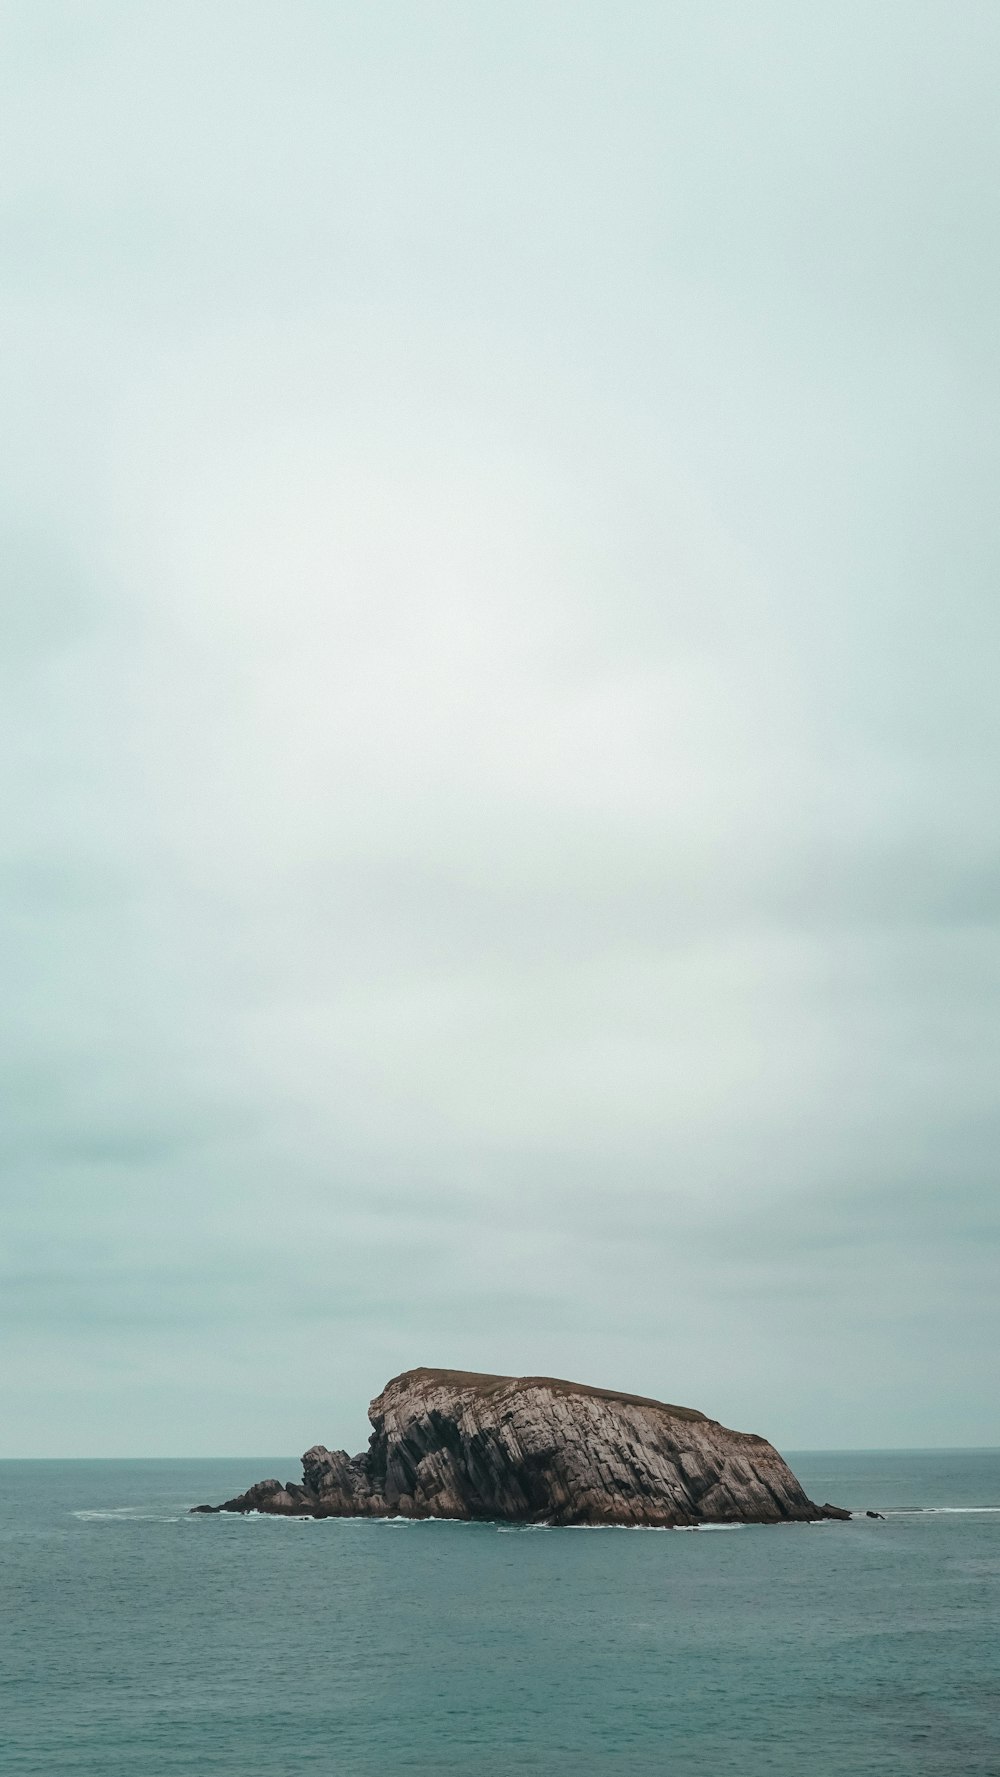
500, 740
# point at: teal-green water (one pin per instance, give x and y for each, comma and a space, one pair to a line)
135, 1639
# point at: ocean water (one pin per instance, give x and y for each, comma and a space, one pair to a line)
136, 1639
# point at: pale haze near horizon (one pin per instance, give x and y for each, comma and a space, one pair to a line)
501, 735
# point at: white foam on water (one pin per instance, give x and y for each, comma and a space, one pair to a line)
938, 1511
268, 1517
128, 1515
646, 1529
398, 1518
948, 1511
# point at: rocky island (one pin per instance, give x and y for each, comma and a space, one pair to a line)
534, 1450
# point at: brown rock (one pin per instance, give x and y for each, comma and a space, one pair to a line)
532, 1449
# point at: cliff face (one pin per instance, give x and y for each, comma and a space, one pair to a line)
454, 1444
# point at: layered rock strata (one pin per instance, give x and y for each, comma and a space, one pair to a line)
530, 1449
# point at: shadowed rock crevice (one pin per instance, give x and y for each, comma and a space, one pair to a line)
535, 1449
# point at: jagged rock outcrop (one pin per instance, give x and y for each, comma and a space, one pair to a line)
530, 1449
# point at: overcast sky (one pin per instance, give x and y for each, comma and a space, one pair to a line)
500, 718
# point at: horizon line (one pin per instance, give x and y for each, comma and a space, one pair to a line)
790, 1450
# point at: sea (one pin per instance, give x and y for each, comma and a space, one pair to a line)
138, 1641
